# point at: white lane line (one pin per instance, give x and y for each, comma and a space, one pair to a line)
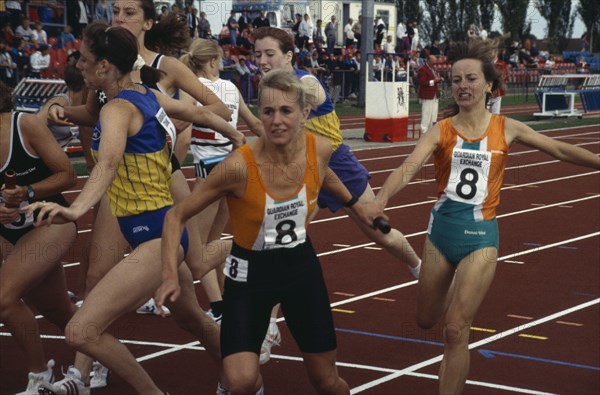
410, 145
370, 244
493, 338
425, 232
397, 373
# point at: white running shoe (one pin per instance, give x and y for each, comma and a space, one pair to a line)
273, 338
215, 319
221, 390
70, 385
36, 379
99, 375
415, 271
150, 308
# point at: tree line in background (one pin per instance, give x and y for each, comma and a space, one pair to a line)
450, 19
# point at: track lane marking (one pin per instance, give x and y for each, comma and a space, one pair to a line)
479, 343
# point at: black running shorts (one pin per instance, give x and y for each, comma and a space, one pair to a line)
290, 276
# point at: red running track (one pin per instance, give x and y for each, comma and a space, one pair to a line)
536, 332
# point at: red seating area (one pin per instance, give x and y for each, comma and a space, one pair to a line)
58, 57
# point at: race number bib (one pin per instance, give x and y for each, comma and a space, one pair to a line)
236, 269
24, 220
169, 127
284, 220
468, 182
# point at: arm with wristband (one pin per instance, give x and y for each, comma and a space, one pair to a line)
368, 213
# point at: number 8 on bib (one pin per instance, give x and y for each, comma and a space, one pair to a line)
468, 182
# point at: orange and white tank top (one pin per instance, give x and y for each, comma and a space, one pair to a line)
470, 172
261, 221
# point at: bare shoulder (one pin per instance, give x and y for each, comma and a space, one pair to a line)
32, 127
515, 130
324, 147
169, 64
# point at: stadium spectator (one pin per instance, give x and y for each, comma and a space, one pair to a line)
305, 32
335, 65
331, 34
20, 57
8, 67
8, 33
378, 65
318, 35
164, 11
203, 26
549, 64
104, 11
79, 15
582, 66
232, 26
243, 21
65, 38
349, 33
388, 46
380, 32
352, 68
25, 32
192, 22
495, 102
245, 77
39, 35
296, 29
414, 42
39, 60
483, 34
357, 30
402, 37
15, 12
428, 93
261, 21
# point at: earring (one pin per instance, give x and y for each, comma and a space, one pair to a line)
99, 75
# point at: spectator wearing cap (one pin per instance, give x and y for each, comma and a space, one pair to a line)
39, 61
403, 41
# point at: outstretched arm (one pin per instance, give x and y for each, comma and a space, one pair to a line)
401, 176
184, 78
200, 116
227, 178
253, 123
116, 118
519, 132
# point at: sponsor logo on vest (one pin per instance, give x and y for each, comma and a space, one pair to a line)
141, 228
475, 232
